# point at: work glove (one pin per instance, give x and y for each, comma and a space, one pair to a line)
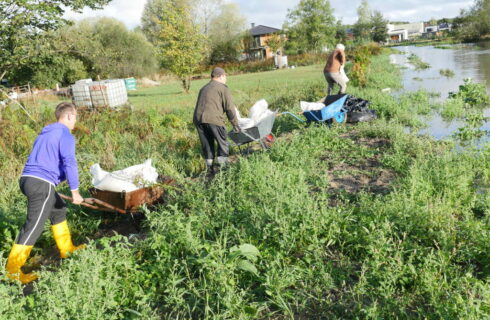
236, 129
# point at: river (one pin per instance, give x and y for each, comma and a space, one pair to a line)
465, 60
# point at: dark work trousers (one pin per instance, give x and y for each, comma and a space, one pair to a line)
43, 202
208, 134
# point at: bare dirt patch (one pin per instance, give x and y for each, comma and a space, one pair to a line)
367, 174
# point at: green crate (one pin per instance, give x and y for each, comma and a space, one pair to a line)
130, 83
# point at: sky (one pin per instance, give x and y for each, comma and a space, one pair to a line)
272, 13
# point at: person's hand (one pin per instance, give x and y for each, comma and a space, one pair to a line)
236, 129
77, 198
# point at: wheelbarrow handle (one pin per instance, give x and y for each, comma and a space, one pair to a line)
95, 204
293, 115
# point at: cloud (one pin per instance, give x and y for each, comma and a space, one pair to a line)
127, 11
273, 12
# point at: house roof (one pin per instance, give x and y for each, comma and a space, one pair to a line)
261, 30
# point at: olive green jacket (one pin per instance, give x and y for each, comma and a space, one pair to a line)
213, 102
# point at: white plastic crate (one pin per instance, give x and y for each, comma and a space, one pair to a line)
107, 93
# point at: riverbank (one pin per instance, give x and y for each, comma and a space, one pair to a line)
353, 221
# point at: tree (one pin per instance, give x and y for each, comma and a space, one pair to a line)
180, 44
379, 29
206, 11
90, 48
24, 23
225, 32
152, 14
276, 42
202, 13
310, 26
474, 24
341, 32
362, 28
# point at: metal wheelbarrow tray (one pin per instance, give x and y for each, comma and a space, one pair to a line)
334, 109
125, 202
257, 133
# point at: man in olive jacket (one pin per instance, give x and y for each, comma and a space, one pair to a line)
213, 102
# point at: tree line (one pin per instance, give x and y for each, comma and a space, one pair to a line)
179, 36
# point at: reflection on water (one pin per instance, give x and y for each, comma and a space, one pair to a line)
466, 61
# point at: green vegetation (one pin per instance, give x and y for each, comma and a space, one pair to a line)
417, 62
180, 44
370, 25
448, 73
91, 48
470, 96
363, 221
310, 27
443, 46
361, 58
473, 23
25, 25
474, 94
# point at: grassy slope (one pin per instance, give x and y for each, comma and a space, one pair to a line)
418, 250
245, 88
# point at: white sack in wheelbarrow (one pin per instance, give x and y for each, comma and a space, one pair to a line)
257, 111
311, 106
244, 123
129, 179
264, 115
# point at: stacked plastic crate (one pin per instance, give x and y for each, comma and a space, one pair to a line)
106, 93
81, 93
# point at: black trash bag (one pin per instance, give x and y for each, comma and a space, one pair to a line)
357, 110
360, 116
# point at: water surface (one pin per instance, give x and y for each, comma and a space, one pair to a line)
466, 61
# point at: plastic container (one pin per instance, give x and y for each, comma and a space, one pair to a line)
106, 93
130, 83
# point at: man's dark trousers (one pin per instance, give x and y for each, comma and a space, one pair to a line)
208, 134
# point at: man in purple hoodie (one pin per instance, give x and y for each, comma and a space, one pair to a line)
52, 160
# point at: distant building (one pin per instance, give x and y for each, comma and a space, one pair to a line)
259, 48
445, 26
406, 31
431, 31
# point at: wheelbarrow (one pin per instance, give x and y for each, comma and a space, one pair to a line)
125, 202
333, 110
261, 132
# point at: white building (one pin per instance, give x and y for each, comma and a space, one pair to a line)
402, 32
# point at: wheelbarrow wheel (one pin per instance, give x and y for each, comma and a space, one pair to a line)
267, 141
340, 117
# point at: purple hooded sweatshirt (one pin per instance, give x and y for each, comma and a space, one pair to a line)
53, 156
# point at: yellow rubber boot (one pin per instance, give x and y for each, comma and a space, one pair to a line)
17, 257
62, 237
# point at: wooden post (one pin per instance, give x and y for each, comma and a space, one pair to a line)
102, 91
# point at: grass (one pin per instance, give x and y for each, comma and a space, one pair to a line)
417, 62
245, 89
278, 235
448, 73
